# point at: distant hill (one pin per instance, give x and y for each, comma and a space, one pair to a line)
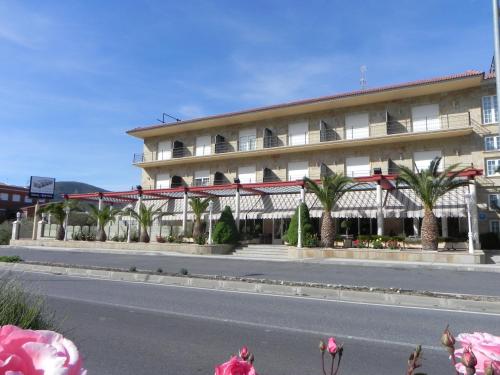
73, 187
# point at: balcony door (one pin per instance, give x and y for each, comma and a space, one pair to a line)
423, 159
247, 174
203, 145
164, 150
298, 134
298, 170
358, 166
162, 180
425, 118
246, 140
357, 126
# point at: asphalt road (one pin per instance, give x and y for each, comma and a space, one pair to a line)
436, 280
132, 328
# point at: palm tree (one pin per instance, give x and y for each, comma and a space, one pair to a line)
103, 216
429, 185
199, 206
145, 217
332, 188
58, 212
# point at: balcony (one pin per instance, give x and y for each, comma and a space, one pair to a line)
392, 130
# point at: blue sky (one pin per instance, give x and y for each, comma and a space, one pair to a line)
75, 75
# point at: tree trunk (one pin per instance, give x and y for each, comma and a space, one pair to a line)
101, 235
429, 231
327, 230
60, 232
144, 235
196, 228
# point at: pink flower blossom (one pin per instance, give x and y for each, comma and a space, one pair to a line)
28, 352
332, 346
235, 366
486, 349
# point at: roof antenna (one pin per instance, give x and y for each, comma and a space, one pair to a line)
362, 80
166, 114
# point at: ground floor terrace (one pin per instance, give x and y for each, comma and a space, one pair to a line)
374, 205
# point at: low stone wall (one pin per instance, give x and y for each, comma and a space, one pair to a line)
185, 248
452, 257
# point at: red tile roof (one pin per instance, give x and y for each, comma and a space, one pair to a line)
466, 74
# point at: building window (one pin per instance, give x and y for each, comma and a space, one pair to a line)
28, 199
494, 201
423, 159
490, 109
357, 166
492, 143
298, 170
4, 196
298, 134
16, 198
247, 175
495, 226
357, 126
202, 178
492, 167
246, 141
203, 145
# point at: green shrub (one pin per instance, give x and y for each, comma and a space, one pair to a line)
311, 240
489, 241
345, 225
132, 269
200, 240
22, 308
10, 258
305, 220
225, 231
5, 233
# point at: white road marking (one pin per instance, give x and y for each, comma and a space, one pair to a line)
267, 327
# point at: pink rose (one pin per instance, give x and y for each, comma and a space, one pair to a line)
332, 346
235, 366
486, 349
244, 353
27, 352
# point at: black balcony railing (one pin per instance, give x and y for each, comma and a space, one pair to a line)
223, 147
271, 141
328, 135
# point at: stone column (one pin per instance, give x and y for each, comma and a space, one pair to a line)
34, 234
380, 212
40, 229
237, 211
416, 226
138, 208
474, 214
444, 226
302, 194
16, 227
184, 213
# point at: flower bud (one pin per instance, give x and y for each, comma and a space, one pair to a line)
468, 358
488, 369
244, 353
332, 346
447, 338
322, 346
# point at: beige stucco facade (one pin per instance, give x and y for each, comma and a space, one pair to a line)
391, 140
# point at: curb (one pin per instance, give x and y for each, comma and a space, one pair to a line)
494, 268
333, 292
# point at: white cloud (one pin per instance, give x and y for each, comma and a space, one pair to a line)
189, 111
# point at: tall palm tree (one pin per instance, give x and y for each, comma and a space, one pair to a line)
58, 212
103, 216
198, 206
429, 185
332, 188
145, 218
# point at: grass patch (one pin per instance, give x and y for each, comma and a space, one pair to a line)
22, 308
10, 258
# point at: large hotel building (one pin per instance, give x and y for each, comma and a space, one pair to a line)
262, 154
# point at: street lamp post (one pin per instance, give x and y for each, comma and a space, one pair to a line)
299, 225
210, 208
469, 221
